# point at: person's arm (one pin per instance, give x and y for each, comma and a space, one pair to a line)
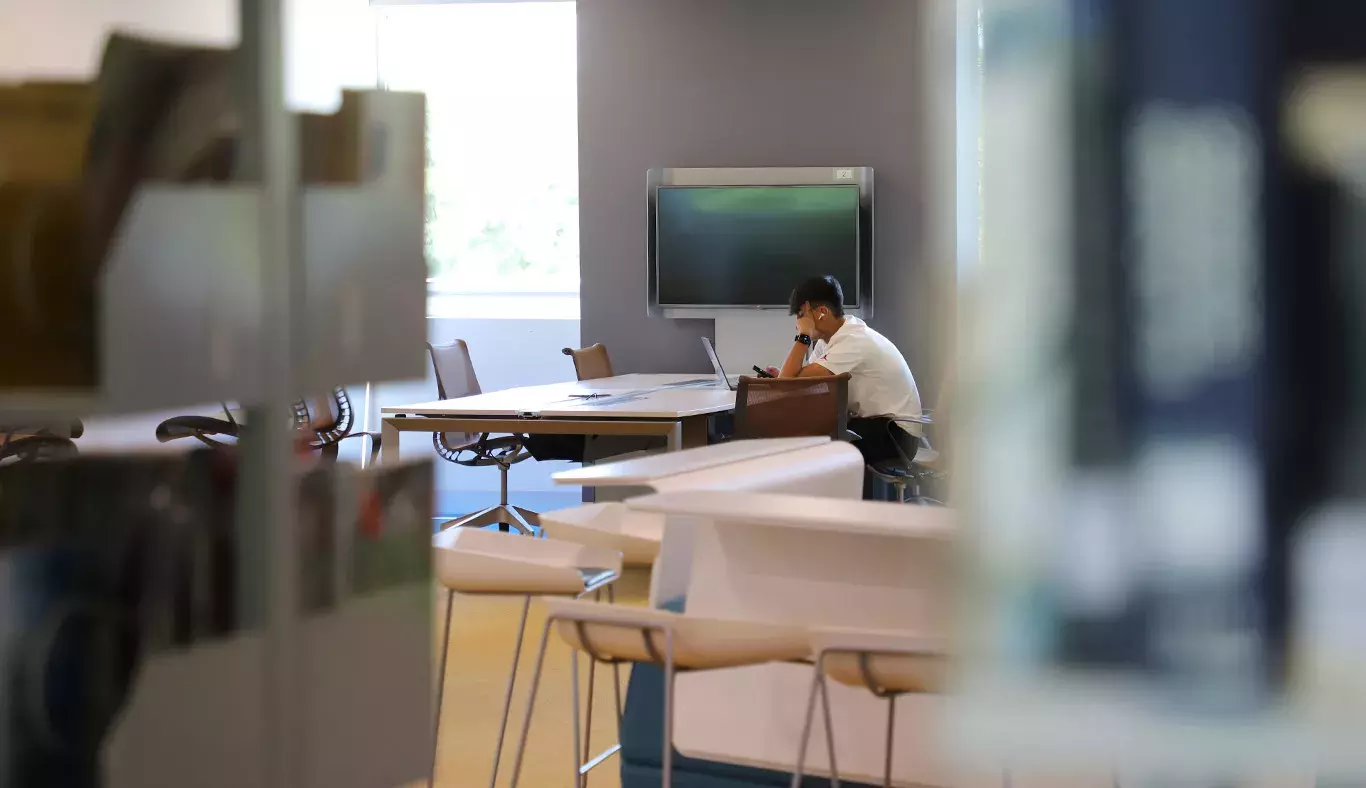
795, 366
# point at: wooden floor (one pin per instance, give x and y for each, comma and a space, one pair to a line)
483, 633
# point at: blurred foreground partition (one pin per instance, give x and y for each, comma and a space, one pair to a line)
1163, 388
171, 233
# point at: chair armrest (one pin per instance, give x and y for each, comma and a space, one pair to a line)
376, 442
199, 427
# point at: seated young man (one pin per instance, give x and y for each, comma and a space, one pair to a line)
881, 386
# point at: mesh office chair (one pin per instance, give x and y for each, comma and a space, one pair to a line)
327, 420
208, 430
793, 407
31, 443
590, 363
323, 423
455, 378
911, 472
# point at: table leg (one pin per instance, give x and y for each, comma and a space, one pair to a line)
694, 432
676, 436
388, 450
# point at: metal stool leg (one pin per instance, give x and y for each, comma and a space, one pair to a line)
441, 685
616, 672
588, 712
531, 704
574, 713
891, 734
806, 725
818, 687
829, 730
507, 699
668, 757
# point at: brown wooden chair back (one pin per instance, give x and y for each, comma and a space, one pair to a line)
591, 363
792, 407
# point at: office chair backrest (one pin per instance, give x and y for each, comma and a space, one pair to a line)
591, 363
454, 371
792, 407
326, 419
454, 378
321, 412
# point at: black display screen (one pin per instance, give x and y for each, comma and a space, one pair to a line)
751, 245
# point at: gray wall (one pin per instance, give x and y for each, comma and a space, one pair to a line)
731, 83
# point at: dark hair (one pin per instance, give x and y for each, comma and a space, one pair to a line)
818, 291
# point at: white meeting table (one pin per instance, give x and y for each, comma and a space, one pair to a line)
645, 405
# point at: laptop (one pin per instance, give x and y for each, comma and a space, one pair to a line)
721, 377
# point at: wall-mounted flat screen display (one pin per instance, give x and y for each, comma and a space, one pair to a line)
737, 246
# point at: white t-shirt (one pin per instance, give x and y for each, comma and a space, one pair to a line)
880, 381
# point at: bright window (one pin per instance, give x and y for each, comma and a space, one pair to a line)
502, 140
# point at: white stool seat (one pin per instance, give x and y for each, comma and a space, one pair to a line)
620, 633
609, 525
673, 641
897, 662
475, 561
887, 664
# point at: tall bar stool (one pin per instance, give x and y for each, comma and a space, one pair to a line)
615, 634
474, 561
888, 664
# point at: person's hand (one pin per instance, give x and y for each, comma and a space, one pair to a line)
774, 371
806, 325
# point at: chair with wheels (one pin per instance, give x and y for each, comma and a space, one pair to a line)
208, 430
326, 420
455, 378
910, 471
323, 422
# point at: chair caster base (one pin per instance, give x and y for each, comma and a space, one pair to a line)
523, 521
